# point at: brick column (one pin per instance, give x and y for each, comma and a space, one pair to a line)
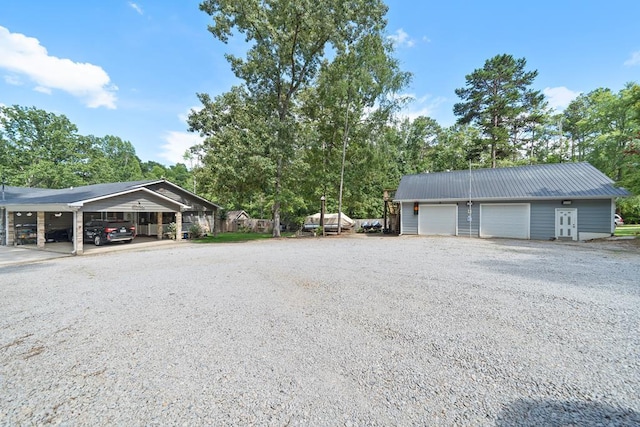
11, 229
40, 235
178, 226
78, 233
159, 221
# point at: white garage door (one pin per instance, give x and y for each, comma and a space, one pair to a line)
438, 220
504, 220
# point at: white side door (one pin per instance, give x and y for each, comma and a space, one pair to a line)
566, 224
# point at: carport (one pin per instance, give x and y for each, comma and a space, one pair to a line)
38, 216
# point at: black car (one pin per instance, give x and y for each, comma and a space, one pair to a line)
61, 235
105, 231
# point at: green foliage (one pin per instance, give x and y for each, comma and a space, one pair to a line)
604, 129
498, 99
195, 231
294, 46
172, 229
41, 149
630, 209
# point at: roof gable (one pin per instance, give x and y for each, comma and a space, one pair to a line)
548, 181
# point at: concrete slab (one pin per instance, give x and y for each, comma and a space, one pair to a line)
16, 255
25, 254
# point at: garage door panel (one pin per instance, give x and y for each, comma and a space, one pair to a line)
505, 220
438, 220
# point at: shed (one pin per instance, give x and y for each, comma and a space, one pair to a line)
567, 201
236, 220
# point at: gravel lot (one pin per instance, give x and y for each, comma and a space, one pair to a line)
360, 330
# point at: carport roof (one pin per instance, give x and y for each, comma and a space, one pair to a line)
77, 195
549, 181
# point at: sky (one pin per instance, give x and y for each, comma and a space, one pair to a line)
133, 69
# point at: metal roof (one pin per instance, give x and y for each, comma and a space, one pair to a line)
548, 181
75, 195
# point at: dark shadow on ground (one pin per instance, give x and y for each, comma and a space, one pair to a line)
552, 413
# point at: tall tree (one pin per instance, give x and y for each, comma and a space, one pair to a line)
40, 149
288, 40
498, 99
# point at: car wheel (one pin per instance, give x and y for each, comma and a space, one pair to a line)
97, 240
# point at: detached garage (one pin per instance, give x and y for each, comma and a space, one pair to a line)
565, 201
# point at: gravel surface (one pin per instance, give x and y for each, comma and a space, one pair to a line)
360, 330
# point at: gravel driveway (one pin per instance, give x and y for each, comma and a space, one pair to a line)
362, 330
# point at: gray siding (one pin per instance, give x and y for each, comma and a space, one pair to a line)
196, 205
463, 224
543, 219
137, 201
409, 220
594, 216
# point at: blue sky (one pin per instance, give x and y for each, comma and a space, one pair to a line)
132, 68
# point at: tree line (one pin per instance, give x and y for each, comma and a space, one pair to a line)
44, 150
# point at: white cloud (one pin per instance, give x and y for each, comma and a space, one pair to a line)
423, 106
25, 56
13, 80
559, 97
177, 143
634, 59
402, 39
136, 7
184, 116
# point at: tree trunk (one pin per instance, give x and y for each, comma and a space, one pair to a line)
276, 201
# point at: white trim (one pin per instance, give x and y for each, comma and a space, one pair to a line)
506, 199
81, 203
160, 181
528, 217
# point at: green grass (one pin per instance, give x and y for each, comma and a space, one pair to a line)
628, 230
237, 237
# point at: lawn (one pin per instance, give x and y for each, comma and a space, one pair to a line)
628, 230
237, 237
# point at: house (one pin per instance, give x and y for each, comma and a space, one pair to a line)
568, 201
32, 213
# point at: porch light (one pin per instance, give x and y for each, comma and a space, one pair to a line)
18, 213
57, 215
29, 214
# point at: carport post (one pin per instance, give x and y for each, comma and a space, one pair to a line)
40, 233
78, 232
160, 229
178, 226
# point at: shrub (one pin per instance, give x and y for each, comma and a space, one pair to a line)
171, 229
195, 230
